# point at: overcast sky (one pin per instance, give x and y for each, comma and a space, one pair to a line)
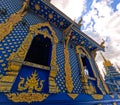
101, 20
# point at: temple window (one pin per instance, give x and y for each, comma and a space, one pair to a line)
40, 51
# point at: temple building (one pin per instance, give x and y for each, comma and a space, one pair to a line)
46, 59
112, 76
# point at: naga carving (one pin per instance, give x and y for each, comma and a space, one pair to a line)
7, 27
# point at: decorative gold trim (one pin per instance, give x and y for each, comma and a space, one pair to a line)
119, 96
114, 103
89, 57
31, 83
97, 96
36, 65
84, 78
73, 96
37, 7
67, 67
103, 82
112, 96
7, 27
27, 97
16, 59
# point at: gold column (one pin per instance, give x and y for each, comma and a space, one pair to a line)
68, 75
7, 27
54, 69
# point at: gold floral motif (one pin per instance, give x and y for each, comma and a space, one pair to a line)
27, 97
7, 27
73, 96
32, 83
97, 96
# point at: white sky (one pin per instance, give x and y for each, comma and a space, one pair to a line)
100, 21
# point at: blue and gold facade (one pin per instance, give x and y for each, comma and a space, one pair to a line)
44, 56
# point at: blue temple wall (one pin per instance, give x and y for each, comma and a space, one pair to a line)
12, 42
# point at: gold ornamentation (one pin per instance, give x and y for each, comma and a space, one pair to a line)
103, 82
8, 26
106, 62
114, 103
37, 7
68, 75
88, 56
93, 53
92, 89
36, 65
32, 83
97, 96
27, 97
73, 96
119, 96
51, 16
112, 96
16, 59
80, 22
82, 42
84, 78
61, 23
102, 44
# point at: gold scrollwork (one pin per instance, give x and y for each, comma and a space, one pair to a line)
16, 59
7, 27
84, 78
32, 83
68, 75
27, 97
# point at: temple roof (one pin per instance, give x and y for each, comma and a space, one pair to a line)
49, 12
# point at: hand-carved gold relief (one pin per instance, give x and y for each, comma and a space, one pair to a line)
32, 83
67, 67
7, 27
16, 59
27, 97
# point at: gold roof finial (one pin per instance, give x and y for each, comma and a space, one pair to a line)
102, 43
80, 22
106, 62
